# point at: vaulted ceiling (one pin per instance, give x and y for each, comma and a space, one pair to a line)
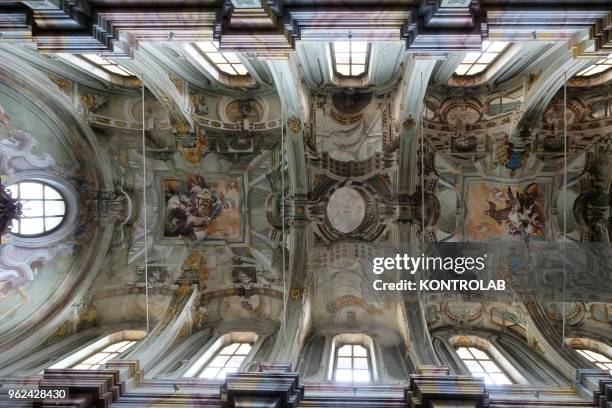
300, 175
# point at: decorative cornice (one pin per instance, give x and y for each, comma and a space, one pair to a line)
271, 30
433, 383
99, 388
15, 26
273, 386
437, 29
255, 30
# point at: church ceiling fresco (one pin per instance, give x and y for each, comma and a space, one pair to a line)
199, 209
32, 135
258, 203
198, 175
500, 212
35, 141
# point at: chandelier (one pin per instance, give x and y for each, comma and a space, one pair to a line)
10, 209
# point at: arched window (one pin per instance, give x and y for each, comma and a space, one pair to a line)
597, 68
227, 354
596, 358
97, 359
477, 62
43, 208
227, 62
482, 365
227, 360
350, 58
351, 358
107, 65
352, 364
95, 355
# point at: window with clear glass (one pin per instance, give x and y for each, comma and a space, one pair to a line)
352, 364
43, 208
350, 57
597, 68
107, 65
227, 360
476, 62
598, 359
482, 365
96, 360
227, 62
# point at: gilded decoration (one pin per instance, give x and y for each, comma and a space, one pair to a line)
294, 124
180, 297
178, 83
198, 104
194, 149
345, 119
5, 290
532, 79
93, 103
87, 318
577, 344
464, 341
349, 300
63, 84
196, 262
181, 127
62, 331
409, 123
296, 293
185, 330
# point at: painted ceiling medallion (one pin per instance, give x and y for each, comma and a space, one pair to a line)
241, 109
555, 114
461, 111
346, 209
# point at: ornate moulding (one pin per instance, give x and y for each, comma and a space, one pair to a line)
271, 29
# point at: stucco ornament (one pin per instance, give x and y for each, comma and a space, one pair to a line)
296, 293
16, 154
409, 123
19, 266
294, 124
346, 209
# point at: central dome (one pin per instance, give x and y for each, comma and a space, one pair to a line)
346, 209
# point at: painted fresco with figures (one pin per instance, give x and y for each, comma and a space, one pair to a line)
498, 211
198, 209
